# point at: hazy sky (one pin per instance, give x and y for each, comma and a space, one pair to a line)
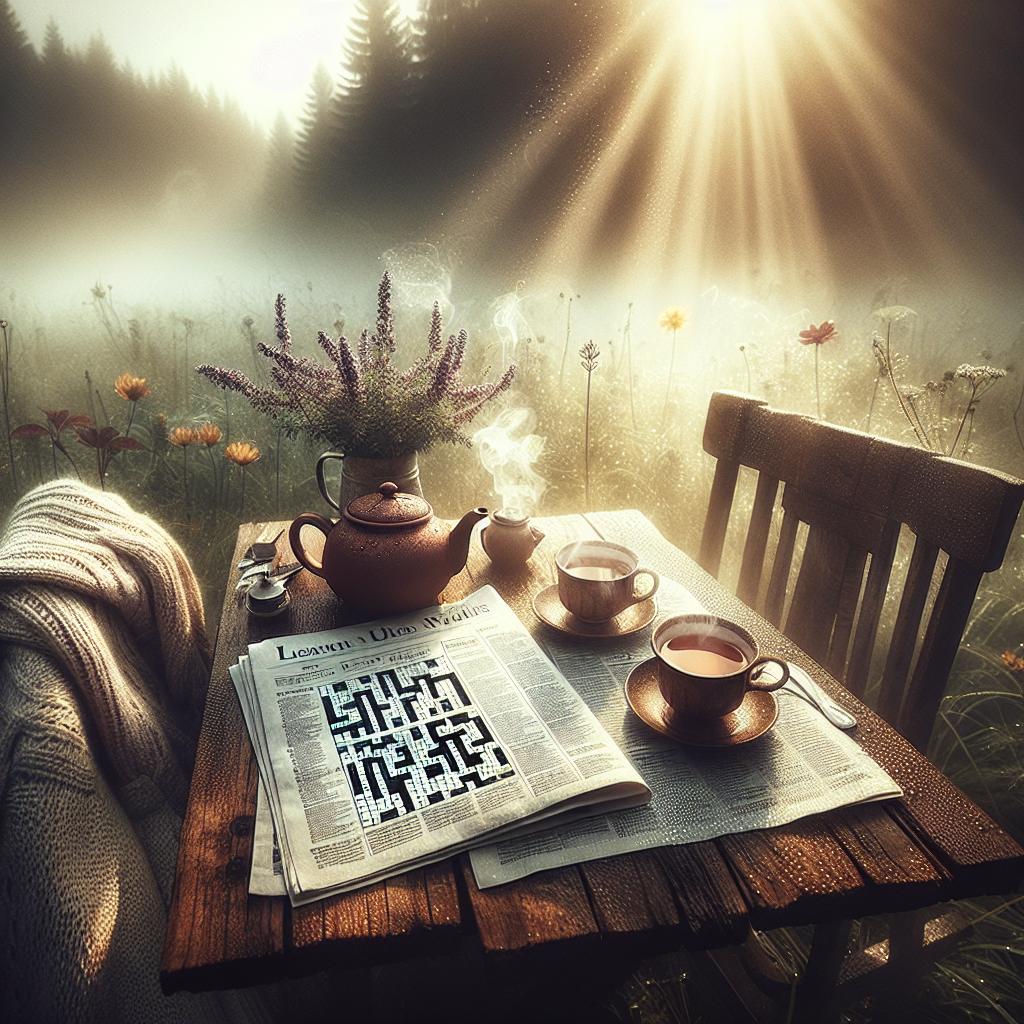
262, 52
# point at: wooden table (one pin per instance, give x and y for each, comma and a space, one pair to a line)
932, 845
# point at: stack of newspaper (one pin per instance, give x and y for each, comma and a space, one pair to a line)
386, 746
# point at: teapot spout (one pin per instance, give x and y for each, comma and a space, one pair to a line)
458, 539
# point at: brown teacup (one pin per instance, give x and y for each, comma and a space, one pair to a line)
707, 664
597, 579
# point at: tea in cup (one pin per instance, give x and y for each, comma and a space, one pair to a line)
706, 665
597, 579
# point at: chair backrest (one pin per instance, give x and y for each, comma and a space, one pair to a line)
855, 492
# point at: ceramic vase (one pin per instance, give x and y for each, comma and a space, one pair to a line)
361, 475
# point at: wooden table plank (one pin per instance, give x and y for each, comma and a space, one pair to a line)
710, 903
901, 874
212, 919
793, 872
546, 908
630, 894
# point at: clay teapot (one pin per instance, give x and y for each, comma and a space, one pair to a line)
387, 554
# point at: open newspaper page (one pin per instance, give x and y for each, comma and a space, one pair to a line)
803, 765
392, 744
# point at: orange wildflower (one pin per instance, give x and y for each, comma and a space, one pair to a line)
1013, 662
209, 434
184, 436
241, 453
131, 388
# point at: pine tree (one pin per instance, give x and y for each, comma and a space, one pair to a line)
376, 93
18, 65
316, 135
280, 178
55, 56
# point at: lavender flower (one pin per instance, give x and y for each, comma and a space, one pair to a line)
360, 403
281, 324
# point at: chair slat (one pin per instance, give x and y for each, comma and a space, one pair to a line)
849, 597
871, 609
779, 581
906, 629
757, 539
938, 649
723, 487
816, 592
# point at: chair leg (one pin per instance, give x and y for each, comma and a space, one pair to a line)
816, 1001
917, 939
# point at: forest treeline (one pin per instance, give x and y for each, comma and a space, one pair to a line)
414, 111
420, 107
79, 131
477, 118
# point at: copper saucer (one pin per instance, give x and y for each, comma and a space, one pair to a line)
753, 718
632, 619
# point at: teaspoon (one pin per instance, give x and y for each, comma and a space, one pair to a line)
807, 688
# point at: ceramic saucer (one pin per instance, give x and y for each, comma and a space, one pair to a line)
753, 718
550, 610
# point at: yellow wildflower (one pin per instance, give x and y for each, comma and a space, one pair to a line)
184, 436
674, 318
241, 454
209, 434
131, 388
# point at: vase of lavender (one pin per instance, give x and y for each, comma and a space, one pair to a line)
361, 475
361, 406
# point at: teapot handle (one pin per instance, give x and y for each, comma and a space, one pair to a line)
320, 482
295, 539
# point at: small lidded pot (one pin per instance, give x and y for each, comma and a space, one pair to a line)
508, 539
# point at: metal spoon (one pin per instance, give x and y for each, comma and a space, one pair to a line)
283, 574
807, 688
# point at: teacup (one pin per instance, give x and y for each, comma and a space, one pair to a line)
706, 665
597, 579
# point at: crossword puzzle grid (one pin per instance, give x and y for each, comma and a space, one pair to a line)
404, 741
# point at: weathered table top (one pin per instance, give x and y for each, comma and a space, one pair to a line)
930, 846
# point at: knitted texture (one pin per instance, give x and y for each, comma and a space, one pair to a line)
103, 664
110, 597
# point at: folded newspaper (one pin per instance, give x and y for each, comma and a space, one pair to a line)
390, 745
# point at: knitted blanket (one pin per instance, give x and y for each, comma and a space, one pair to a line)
103, 663
109, 596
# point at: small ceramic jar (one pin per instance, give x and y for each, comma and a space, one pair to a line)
509, 539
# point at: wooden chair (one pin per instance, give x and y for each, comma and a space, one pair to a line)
855, 494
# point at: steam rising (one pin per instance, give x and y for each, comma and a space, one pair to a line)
508, 448
510, 323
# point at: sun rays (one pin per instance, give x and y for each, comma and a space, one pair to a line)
769, 144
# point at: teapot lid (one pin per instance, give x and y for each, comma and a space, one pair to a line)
388, 506
511, 515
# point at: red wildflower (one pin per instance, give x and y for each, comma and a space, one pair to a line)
818, 335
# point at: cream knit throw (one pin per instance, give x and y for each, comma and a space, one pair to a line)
110, 597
